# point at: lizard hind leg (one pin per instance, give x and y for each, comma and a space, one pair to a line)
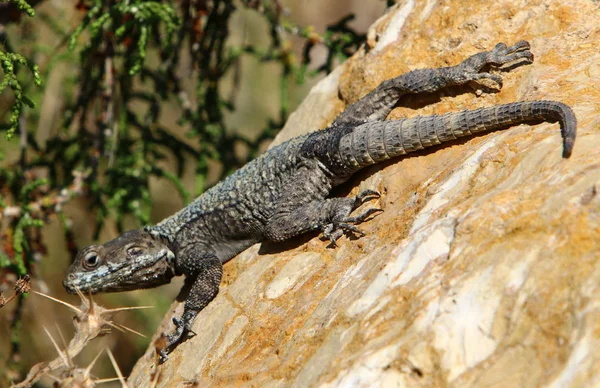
304, 207
331, 216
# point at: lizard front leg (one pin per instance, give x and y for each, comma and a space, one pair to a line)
206, 270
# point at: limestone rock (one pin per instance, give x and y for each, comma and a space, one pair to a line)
484, 269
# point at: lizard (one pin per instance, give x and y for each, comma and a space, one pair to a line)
285, 192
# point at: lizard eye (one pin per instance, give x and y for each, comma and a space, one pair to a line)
134, 252
91, 261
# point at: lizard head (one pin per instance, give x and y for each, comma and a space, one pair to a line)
132, 261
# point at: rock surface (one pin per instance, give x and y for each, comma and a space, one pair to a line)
484, 269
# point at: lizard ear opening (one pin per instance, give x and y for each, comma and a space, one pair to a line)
134, 252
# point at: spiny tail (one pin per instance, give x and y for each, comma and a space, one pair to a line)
374, 142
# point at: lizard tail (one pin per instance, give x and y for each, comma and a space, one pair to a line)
374, 142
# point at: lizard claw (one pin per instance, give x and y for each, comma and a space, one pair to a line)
363, 216
365, 196
163, 357
346, 227
172, 339
182, 330
521, 45
332, 233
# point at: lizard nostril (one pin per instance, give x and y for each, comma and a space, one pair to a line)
71, 276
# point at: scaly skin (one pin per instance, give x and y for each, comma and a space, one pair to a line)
284, 192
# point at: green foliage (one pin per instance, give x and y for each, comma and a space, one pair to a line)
25, 7
128, 19
4, 260
339, 38
9, 62
17, 241
20, 243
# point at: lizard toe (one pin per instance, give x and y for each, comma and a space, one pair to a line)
366, 196
363, 216
346, 227
163, 357
489, 76
521, 45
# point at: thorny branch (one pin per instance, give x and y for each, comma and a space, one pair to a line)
91, 321
21, 287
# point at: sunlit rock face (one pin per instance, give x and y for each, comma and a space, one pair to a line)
484, 269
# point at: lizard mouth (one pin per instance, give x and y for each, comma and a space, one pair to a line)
142, 272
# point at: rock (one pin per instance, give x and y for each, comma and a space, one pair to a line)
484, 268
